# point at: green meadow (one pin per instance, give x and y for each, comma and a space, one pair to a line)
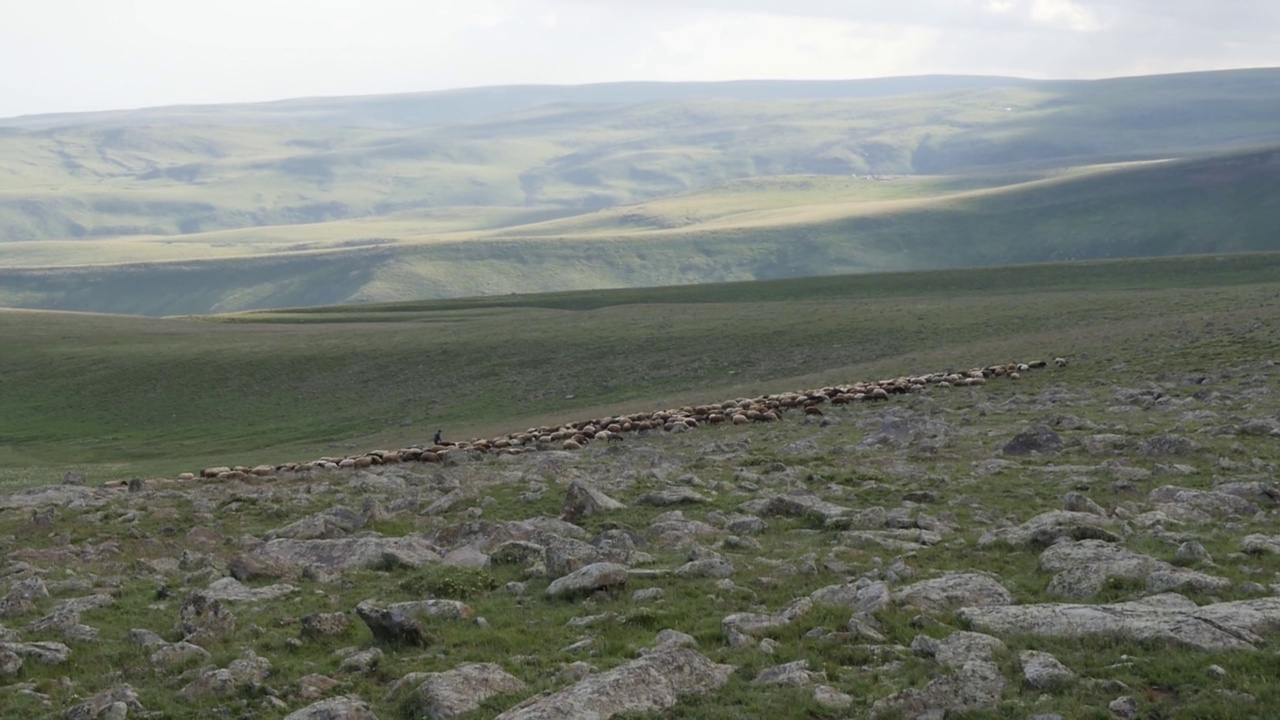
117, 397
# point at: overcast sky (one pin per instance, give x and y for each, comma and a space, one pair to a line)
74, 55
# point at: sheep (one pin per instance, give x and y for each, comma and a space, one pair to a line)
575, 435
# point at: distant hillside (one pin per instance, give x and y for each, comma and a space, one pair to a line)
446, 107
755, 229
179, 171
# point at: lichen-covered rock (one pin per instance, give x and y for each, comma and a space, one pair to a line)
1199, 506
179, 653
954, 590
1160, 618
244, 674
45, 653
597, 576
1047, 528
802, 503
1039, 439
651, 683
446, 695
1258, 543
962, 647
581, 500
347, 553
103, 704
335, 522
564, 555
1042, 671
793, 674
317, 625
407, 622
201, 618
1085, 567
339, 708
22, 597
974, 686
229, 589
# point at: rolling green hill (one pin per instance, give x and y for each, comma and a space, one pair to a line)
525, 189
755, 229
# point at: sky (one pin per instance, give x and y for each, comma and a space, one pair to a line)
83, 55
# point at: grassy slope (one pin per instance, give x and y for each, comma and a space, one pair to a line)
117, 396
236, 169
765, 228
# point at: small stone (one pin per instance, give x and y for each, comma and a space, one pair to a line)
1124, 707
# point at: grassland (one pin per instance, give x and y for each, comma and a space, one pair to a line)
117, 396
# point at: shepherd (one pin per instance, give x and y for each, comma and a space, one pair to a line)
436, 439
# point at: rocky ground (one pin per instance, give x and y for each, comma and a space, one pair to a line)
1064, 545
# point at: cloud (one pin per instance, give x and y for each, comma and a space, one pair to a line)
97, 54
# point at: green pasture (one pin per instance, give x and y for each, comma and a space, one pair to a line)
119, 396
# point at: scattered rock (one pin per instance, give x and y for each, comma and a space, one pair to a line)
974, 686
582, 500
1168, 618
339, 708
651, 683
954, 590
406, 623
318, 625
597, 576
113, 703
1042, 671
446, 695
1038, 439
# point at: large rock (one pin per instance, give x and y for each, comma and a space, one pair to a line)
22, 596
757, 624
581, 500
1047, 528
1161, 618
954, 590
245, 674
974, 686
102, 704
347, 553
1042, 671
862, 597
201, 618
335, 522
1039, 439
407, 622
1085, 567
564, 555
650, 683
57, 495
249, 567
229, 589
319, 625
1258, 544
339, 708
792, 674
45, 653
963, 647
597, 576
461, 690
802, 503
1199, 506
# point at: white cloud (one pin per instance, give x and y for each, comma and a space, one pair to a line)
64, 55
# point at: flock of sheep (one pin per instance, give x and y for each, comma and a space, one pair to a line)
574, 436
